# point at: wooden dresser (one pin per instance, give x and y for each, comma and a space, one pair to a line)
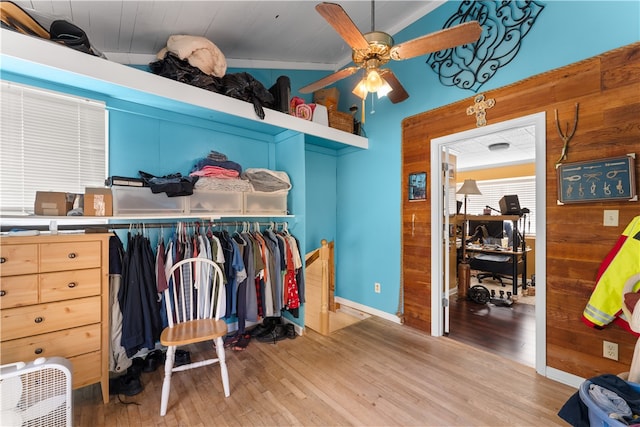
54, 301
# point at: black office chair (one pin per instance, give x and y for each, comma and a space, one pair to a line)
494, 276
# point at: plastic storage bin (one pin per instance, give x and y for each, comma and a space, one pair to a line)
129, 201
216, 202
260, 203
598, 417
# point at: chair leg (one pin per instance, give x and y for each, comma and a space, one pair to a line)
166, 383
224, 373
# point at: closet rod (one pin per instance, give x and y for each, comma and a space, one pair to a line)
105, 228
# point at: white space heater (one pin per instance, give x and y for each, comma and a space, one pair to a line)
36, 393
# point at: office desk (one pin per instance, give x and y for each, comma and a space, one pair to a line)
505, 262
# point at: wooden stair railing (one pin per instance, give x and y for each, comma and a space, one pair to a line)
321, 312
324, 254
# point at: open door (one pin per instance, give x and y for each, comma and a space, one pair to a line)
449, 270
443, 215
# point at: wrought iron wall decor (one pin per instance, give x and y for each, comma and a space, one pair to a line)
504, 25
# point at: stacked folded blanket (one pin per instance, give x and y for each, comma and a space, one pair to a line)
217, 173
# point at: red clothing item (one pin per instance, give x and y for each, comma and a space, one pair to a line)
216, 172
292, 297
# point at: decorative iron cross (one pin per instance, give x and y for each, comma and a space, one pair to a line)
479, 109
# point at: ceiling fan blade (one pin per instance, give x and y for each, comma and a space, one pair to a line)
398, 94
326, 81
468, 32
335, 15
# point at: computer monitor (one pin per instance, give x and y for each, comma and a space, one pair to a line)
510, 205
495, 229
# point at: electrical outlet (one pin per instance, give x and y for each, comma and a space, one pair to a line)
376, 287
610, 350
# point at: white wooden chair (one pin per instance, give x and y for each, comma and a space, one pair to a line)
195, 301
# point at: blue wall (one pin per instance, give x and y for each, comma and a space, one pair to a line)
369, 182
321, 170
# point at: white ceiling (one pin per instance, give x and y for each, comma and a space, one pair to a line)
257, 34
474, 153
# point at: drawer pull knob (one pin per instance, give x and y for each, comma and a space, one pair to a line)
72, 284
38, 350
72, 255
39, 319
3, 293
3, 260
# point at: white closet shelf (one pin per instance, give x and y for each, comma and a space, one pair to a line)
31, 56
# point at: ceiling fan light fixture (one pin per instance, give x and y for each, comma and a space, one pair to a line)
360, 90
497, 146
384, 89
373, 81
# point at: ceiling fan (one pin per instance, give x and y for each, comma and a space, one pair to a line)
374, 49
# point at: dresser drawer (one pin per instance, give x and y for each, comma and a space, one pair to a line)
18, 259
67, 343
86, 369
69, 256
69, 284
17, 291
40, 319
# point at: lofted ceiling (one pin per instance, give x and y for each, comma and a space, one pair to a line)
257, 34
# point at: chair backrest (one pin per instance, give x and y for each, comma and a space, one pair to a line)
196, 291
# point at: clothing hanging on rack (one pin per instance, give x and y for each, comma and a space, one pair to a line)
141, 324
263, 276
118, 360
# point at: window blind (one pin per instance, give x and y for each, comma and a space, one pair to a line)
493, 190
49, 142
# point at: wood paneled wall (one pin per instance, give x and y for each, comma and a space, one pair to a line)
607, 87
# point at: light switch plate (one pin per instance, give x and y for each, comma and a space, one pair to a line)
611, 218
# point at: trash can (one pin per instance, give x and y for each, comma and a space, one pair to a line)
598, 417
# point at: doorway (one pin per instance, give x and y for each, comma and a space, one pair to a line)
441, 212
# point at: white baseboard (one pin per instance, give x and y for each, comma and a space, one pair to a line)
564, 377
368, 310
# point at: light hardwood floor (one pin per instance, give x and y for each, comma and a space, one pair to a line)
373, 373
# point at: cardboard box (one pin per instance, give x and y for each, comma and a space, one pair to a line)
98, 202
52, 203
328, 97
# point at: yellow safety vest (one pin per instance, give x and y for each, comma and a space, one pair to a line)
622, 262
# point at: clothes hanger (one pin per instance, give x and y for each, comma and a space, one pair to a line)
237, 235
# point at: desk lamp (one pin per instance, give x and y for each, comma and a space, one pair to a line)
464, 269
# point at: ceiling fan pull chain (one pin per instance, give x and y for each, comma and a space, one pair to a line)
373, 104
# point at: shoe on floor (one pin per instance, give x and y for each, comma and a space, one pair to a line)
137, 365
154, 359
267, 326
126, 384
278, 333
291, 331
183, 357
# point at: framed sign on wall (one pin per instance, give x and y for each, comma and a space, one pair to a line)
607, 179
418, 186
